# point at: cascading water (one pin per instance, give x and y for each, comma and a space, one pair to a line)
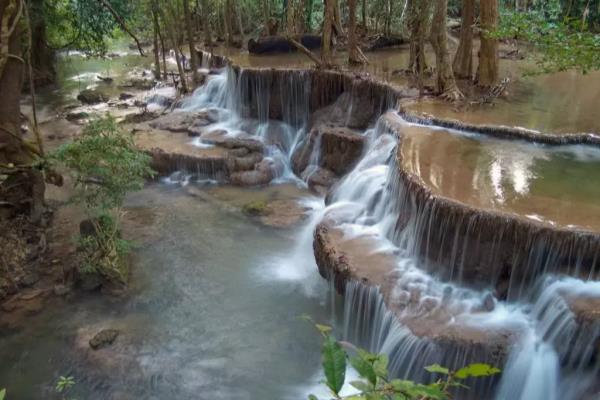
439, 317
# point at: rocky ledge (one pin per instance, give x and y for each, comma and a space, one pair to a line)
428, 318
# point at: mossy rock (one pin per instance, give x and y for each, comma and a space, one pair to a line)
255, 208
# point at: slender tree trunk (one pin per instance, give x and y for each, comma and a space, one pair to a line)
328, 16
163, 50
463, 59
156, 40
206, 23
240, 11
355, 56
42, 57
446, 85
309, 13
487, 71
364, 15
227, 22
190, 39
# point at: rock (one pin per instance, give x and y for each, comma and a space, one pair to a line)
104, 338
30, 279
91, 96
77, 116
246, 162
279, 44
90, 282
339, 149
348, 110
321, 180
161, 100
252, 145
251, 178
138, 84
175, 122
126, 96
255, 208
61, 290
139, 118
283, 214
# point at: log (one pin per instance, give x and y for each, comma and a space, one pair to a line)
280, 44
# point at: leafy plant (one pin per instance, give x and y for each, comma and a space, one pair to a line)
2, 394
64, 385
375, 383
561, 43
106, 165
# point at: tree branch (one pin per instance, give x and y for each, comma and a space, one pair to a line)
306, 51
121, 22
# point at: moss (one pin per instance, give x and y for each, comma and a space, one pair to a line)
255, 208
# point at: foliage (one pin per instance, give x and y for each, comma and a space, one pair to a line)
64, 385
561, 43
83, 24
375, 383
105, 165
2, 394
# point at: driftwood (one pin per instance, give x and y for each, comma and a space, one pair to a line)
382, 42
281, 44
306, 51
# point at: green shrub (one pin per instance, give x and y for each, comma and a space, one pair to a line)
106, 165
375, 383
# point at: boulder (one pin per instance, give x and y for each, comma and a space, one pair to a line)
357, 112
251, 178
92, 96
320, 180
339, 149
126, 96
138, 84
103, 338
175, 122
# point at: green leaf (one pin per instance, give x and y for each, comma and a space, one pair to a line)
312, 397
362, 386
324, 329
2, 394
364, 368
476, 370
380, 366
432, 392
437, 369
334, 364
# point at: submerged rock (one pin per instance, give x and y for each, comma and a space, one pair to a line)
92, 96
104, 338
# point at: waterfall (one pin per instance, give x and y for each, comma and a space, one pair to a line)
441, 309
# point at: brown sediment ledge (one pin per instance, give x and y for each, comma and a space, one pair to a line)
355, 260
505, 132
483, 246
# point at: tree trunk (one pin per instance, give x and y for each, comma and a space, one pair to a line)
487, 71
42, 57
28, 184
240, 10
463, 59
364, 15
206, 18
187, 15
418, 14
446, 85
156, 39
355, 56
328, 16
227, 22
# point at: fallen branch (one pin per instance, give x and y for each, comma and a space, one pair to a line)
121, 22
306, 51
